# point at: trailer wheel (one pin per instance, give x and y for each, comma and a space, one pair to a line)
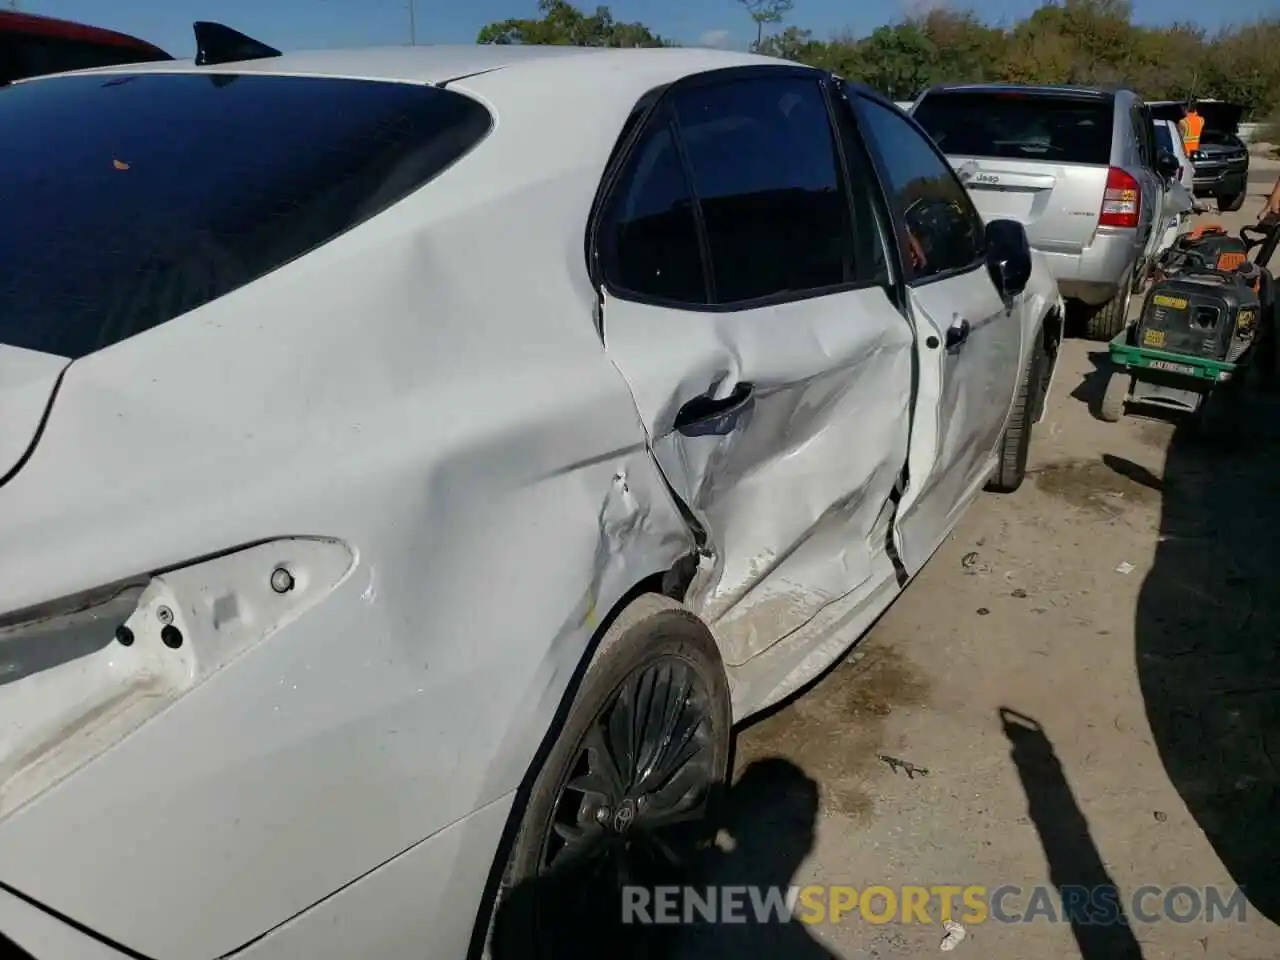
1117, 392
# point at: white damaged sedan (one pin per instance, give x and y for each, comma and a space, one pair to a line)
415, 461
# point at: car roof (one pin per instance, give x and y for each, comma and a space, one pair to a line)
435, 64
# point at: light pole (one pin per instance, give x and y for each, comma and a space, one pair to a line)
413, 26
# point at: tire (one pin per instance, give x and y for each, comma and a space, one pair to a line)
1015, 445
1111, 409
1106, 321
658, 665
1230, 202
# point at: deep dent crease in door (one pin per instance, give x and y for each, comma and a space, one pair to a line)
789, 496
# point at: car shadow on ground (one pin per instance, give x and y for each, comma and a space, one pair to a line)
1076, 868
768, 824
1207, 636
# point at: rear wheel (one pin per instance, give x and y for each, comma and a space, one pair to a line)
1015, 446
626, 794
1114, 396
1106, 321
1230, 202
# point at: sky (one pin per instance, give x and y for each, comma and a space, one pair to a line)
309, 24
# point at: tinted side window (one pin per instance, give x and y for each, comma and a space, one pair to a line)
1164, 140
648, 237
765, 171
1148, 134
1140, 137
172, 190
944, 231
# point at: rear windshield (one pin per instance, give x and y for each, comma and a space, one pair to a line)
1018, 127
131, 199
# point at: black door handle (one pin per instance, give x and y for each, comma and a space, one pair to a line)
957, 334
705, 416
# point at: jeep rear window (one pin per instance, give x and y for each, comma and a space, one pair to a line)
131, 199
1019, 126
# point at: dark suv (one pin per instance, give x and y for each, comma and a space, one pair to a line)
31, 46
1222, 162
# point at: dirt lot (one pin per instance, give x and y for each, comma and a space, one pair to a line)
1125, 599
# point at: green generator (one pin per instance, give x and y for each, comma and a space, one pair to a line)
1207, 315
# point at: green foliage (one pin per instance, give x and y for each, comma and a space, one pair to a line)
563, 24
766, 13
1064, 41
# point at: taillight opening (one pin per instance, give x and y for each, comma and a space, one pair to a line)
1121, 201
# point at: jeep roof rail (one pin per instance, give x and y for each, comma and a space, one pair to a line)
1065, 90
216, 44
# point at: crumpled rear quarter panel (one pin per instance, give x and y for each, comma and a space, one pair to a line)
429, 389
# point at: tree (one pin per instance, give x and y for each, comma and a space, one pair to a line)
1245, 68
898, 61
793, 43
563, 24
966, 48
766, 13
1063, 41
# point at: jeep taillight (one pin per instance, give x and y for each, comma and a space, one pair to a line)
1122, 200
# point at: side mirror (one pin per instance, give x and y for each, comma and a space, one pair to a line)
1008, 256
1167, 164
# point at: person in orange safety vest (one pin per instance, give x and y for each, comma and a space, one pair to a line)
1191, 126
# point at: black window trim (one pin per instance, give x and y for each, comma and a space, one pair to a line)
899, 224
659, 106
838, 109
886, 227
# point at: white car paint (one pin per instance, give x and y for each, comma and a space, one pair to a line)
1182, 205
421, 422
1186, 170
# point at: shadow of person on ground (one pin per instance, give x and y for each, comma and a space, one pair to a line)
1133, 471
1207, 636
770, 822
769, 818
1075, 866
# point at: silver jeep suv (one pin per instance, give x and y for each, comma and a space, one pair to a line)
1078, 166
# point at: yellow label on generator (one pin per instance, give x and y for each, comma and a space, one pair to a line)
1153, 338
1245, 318
1161, 300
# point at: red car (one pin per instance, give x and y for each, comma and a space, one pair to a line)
32, 45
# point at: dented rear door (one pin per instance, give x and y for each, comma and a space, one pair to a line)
770, 368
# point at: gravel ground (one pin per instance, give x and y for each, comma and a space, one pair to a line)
1123, 600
